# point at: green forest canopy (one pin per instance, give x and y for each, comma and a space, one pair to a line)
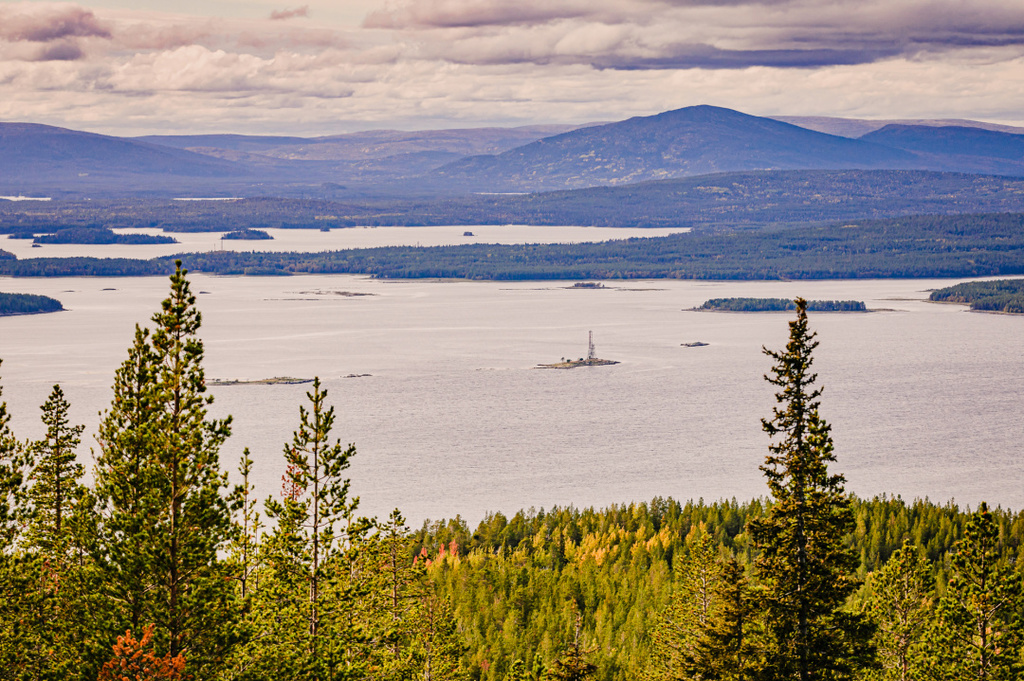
157, 564
27, 303
921, 246
1001, 295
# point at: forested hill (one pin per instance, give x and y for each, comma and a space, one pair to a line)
923, 246
722, 200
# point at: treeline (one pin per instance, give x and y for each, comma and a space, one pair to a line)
157, 570
751, 199
101, 235
248, 235
517, 582
780, 305
27, 303
1003, 295
921, 246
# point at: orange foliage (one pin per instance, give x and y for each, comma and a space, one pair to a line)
132, 662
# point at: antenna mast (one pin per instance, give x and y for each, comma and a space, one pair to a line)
591, 353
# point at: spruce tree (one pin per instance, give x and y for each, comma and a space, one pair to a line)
804, 564
17, 597
977, 632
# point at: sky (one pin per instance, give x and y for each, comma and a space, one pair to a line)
317, 67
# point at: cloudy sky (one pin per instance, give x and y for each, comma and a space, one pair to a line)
332, 66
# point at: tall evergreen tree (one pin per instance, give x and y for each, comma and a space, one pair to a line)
193, 521
392, 585
804, 563
127, 486
13, 464
901, 610
16, 571
55, 482
977, 632
725, 650
303, 613
160, 481
65, 630
675, 638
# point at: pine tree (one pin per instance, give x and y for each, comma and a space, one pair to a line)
193, 520
127, 485
55, 482
64, 629
725, 649
13, 465
17, 588
901, 610
804, 564
134, 660
245, 545
391, 585
675, 638
304, 611
977, 633
159, 479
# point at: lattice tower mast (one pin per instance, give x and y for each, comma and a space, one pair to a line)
591, 353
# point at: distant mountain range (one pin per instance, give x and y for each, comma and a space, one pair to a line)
38, 159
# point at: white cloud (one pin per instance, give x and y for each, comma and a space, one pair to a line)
467, 62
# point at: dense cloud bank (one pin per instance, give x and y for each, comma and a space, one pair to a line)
432, 62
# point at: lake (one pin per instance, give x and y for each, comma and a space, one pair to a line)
312, 240
453, 418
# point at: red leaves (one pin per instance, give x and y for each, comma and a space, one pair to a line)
133, 662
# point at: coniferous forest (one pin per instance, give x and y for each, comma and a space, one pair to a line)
159, 569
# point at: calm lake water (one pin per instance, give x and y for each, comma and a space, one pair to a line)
311, 240
925, 399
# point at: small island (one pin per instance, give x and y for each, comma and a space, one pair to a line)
694, 344
779, 305
277, 380
592, 360
27, 303
468, 233
587, 284
247, 235
100, 236
1000, 295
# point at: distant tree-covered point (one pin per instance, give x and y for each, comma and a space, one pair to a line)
1002, 295
924, 246
102, 235
780, 305
27, 303
247, 235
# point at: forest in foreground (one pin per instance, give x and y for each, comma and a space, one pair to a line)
160, 570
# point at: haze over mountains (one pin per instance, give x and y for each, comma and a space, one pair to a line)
44, 160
